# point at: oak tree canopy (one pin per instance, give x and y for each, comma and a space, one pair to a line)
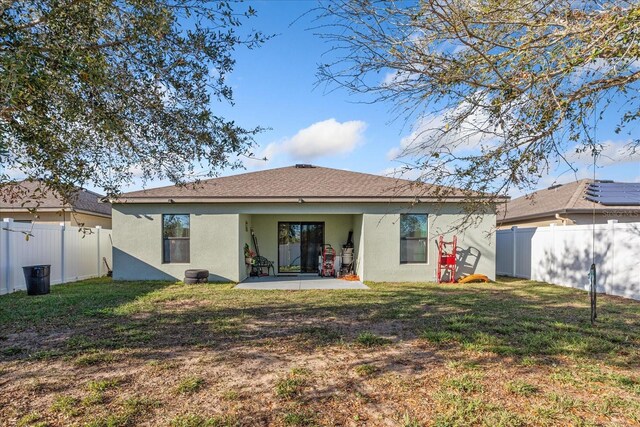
101, 90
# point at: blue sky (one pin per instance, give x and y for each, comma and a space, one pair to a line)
275, 86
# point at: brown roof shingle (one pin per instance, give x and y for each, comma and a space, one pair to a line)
84, 200
292, 182
556, 199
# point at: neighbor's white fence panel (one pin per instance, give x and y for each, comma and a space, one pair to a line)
563, 255
73, 254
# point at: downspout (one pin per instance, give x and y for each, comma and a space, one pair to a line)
563, 219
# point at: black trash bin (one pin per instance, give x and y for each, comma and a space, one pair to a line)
37, 278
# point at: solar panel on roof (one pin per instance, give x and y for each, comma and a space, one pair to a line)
614, 193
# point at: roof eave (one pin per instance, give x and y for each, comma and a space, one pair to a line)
301, 199
53, 210
599, 209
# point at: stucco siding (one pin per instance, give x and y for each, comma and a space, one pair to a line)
137, 243
86, 220
219, 232
381, 255
245, 238
358, 244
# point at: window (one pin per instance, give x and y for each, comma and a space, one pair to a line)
413, 238
175, 238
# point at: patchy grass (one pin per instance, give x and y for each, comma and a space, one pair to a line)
91, 359
66, 405
365, 370
103, 385
194, 420
368, 339
231, 395
190, 385
511, 353
298, 419
521, 388
127, 413
465, 383
289, 387
30, 420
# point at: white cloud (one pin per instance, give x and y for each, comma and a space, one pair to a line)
324, 138
432, 133
612, 152
600, 67
13, 173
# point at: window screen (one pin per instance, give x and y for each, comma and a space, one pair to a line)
413, 238
175, 238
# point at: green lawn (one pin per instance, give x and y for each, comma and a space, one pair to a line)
512, 353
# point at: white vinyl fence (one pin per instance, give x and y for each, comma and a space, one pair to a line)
563, 255
73, 254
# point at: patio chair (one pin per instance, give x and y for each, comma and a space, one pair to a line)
259, 263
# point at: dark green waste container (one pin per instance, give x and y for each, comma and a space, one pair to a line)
37, 278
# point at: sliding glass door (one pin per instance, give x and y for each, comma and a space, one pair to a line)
299, 246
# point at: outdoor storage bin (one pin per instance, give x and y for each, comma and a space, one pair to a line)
37, 278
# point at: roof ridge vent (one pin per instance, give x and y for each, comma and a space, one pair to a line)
553, 187
304, 166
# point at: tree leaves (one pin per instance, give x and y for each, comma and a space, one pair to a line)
513, 84
101, 91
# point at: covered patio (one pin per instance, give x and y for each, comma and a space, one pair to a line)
294, 241
297, 283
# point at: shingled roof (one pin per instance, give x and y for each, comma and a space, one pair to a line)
292, 183
84, 201
557, 199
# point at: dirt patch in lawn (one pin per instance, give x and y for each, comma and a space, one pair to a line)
505, 354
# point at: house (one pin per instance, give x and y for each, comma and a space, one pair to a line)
574, 203
293, 211
35, 203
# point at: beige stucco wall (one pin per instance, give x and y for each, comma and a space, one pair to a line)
57, 217
89, 220
219, 231
244, 237
137, 243
358, 243
381, 257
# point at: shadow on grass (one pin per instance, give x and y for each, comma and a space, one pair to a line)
157, 320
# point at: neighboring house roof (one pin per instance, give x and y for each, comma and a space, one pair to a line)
557, 199
294, 183
84, 201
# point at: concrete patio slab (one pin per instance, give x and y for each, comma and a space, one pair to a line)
296, 283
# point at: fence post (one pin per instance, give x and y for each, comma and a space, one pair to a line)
514, 230
99, 266
62, 228
612, 254
6, 225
